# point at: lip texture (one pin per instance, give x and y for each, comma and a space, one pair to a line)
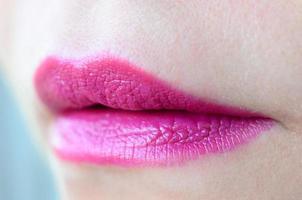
146, 122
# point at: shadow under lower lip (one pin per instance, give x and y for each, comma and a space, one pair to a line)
126, 138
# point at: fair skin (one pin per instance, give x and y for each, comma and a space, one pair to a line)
244, 53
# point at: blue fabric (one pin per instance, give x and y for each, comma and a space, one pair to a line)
24, 175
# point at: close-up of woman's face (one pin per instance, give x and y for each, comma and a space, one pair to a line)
153, 99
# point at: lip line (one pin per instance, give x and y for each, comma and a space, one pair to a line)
201, 105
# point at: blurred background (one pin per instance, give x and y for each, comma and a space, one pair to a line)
24, 175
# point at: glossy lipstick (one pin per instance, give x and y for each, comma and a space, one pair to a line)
111, 112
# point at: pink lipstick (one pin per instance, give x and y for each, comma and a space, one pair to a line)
111, 112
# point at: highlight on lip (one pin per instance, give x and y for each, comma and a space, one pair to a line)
111, 112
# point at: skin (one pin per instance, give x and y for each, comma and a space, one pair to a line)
242, 53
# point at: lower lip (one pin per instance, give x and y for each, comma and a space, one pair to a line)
126, 138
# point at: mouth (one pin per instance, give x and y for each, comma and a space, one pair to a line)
110, 112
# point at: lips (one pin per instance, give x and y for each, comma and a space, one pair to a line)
108, 111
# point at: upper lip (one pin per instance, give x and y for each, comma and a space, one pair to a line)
73, 84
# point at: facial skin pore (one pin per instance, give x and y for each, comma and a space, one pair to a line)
242, 53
